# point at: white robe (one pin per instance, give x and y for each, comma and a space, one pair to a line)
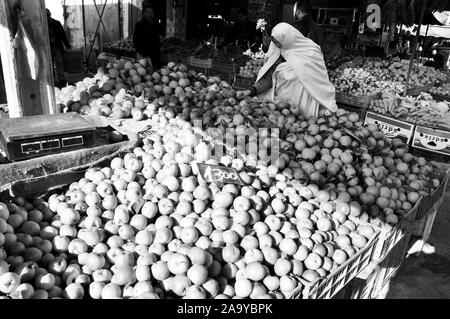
303, 79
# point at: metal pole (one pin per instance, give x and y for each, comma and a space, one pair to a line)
416, 40
84, 29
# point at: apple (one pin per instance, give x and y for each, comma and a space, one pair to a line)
9, 282
57, 266
74, 291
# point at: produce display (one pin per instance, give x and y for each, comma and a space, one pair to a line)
126, 45
251, 68
149, 225
442, 90
371, 76
421, 110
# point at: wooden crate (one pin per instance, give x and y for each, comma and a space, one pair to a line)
200, 63
355, 101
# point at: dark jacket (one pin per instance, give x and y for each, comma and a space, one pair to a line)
146, 41
57, 35
309, 29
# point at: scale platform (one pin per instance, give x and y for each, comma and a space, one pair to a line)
36, 136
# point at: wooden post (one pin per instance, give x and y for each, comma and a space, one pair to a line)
25, 96
414, 49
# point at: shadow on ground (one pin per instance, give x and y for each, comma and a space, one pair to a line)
427, 276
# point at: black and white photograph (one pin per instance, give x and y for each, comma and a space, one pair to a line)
224, 158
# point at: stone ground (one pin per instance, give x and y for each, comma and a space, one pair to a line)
427, 276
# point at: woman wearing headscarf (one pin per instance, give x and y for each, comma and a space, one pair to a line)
295, 73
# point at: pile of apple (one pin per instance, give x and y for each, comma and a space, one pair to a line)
381, 175
134, 90
189, 239
370, 76
251, 68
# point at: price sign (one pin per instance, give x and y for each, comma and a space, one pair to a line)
220, 175
390, 127
435, 141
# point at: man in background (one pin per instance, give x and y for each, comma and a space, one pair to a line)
305, 23
146, 37
58, 43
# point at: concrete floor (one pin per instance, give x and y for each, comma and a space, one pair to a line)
427, 276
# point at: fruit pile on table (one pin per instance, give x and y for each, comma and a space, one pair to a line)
149, 225
125, 45
442, 90
370, 76
421, 110
251, 68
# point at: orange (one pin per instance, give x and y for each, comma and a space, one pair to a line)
241, 204
340, 257
343, 241
313, 261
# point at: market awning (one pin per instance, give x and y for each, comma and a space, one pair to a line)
437, 31
443, 17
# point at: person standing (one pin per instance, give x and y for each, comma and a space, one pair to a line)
295, 73
58, 43
305, 23
146, 37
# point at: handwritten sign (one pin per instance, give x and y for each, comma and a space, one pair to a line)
220, 175
432, 140
390, 127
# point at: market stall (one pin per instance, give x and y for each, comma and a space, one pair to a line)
158, 183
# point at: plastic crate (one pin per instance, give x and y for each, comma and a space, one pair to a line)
390, 237
422, 227
414, 91
389, 267
200, 63
439, 97
229, 77
355, 101
338, 280
243, 83
363, 285
358, 110
224, 67
435, 198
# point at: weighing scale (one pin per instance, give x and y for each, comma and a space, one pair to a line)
36, 136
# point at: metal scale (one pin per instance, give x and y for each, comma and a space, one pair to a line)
37, 136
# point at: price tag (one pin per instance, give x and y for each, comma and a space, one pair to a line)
220, 175
390, 127
435, 141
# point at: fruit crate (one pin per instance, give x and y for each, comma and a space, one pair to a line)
355, 101
422, 228
363, 285
389, 267
225, 76
200, 63
338, 280
439, 97
435, 199
243, 83
414, 91
171, 57
224, 67
390, 237
118, 52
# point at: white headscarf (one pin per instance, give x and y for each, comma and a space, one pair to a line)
306, 59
